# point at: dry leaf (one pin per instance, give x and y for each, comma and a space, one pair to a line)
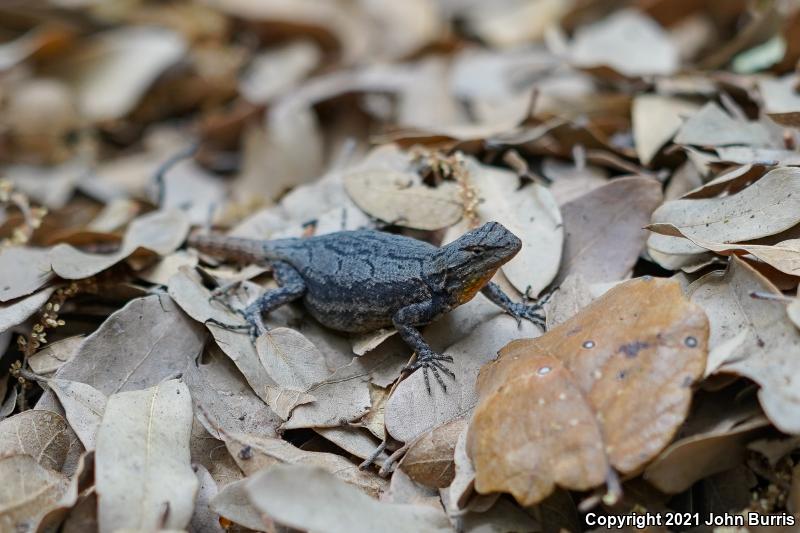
145, 342
18, 311
729, 182
204, 520
604, 234
781, 101
161, 232
767, 342
52, 186
573, 294
627, 41
53, 355
767, 207
28, 492
402, 489
461, 494
429, 460
275, 71
213, 456
291, 360
745, 155
345, 394
221, 391
112, 71
166, 267
386, 187
193, 191
711, 126
284, 493
43, 435
142, 459
656, 119
81, 482
23, 281
401, 28
84, 407
517, 23
232, 503
714, 445
355, 440
611, 385
784, 256
253, 454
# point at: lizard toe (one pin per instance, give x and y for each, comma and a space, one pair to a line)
434, 363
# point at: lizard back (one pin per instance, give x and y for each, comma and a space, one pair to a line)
355, 280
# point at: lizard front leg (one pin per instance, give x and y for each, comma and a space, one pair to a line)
533, 312
406, 321
291, 288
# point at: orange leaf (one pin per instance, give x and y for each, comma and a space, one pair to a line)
607, 388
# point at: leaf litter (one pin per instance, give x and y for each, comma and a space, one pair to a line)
646, 155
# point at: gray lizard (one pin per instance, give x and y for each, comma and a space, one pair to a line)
364, 280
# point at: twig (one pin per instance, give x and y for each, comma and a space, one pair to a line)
166, 166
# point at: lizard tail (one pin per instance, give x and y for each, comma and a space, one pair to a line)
235, 248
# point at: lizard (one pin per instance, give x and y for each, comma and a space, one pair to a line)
364, 280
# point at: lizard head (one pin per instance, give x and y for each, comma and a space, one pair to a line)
472, 259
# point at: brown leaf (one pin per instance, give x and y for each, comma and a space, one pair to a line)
429, 460
607, 388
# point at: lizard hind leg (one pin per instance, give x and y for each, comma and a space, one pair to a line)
291, 288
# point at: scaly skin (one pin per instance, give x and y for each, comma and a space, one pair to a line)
360, 281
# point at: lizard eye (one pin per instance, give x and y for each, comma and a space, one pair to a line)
475, 248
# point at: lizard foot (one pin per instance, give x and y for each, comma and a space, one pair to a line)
254, 326
533, 312
221, 293
435, 363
